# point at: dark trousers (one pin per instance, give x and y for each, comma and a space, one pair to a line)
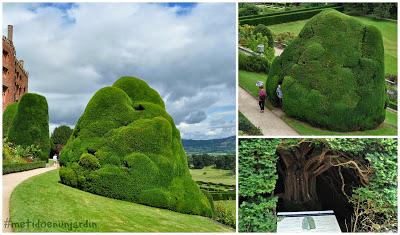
261, 103
280, 102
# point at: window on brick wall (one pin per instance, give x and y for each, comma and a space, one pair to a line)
5, 55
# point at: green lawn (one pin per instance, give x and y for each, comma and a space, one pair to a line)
42, 197
209, 174
389, 127
388, 29
248, 80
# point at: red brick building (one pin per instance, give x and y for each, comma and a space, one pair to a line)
15, 78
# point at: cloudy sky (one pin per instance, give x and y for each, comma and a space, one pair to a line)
184, 51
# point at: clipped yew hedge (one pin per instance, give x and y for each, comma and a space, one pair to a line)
284, 17
126, 146
30, 125
8, 116
332, 75
18, 167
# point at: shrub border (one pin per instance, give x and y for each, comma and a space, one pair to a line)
18, 167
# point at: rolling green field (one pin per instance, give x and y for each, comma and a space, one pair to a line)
209, 174
43, 197
388, 29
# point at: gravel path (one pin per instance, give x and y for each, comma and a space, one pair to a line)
269, 122
10, 182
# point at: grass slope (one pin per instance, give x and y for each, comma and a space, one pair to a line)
42, 197
388, 29
209, 174
248, 80
389, 127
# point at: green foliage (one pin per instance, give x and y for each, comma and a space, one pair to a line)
266, 32
247, 127
332, 75
89, 162
128, 148
248, 10
19, 154
287, 16
8, 116
375, 206
61, 135
68, 177
250, 39
284, 38
18, 167
253, 63
224, 162
225, 212
223, 196
258, 216
30, 125
257, 178
257, 166
378, 10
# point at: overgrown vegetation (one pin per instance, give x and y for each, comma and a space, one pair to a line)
361, 173
324, 86
126, 146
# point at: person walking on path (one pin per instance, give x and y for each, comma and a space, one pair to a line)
261, 98
279, 94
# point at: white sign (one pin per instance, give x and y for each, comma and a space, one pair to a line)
307, 222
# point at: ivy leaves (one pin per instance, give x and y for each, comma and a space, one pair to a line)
257, 166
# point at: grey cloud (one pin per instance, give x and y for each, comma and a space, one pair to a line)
195, 117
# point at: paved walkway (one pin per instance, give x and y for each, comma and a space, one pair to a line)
10, 182
269, 122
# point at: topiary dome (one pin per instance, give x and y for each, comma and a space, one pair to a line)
126, 146
332, 75
30, 125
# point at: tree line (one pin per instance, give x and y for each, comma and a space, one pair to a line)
199, 161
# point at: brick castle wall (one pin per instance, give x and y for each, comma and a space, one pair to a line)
15, 77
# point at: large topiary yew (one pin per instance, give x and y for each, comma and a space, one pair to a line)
126, 146
332, 75
30, 124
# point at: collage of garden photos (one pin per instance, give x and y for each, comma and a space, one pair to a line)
200, 117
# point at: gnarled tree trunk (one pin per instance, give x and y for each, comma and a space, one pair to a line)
301, 166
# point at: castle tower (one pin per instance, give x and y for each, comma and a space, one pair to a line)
15, 77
